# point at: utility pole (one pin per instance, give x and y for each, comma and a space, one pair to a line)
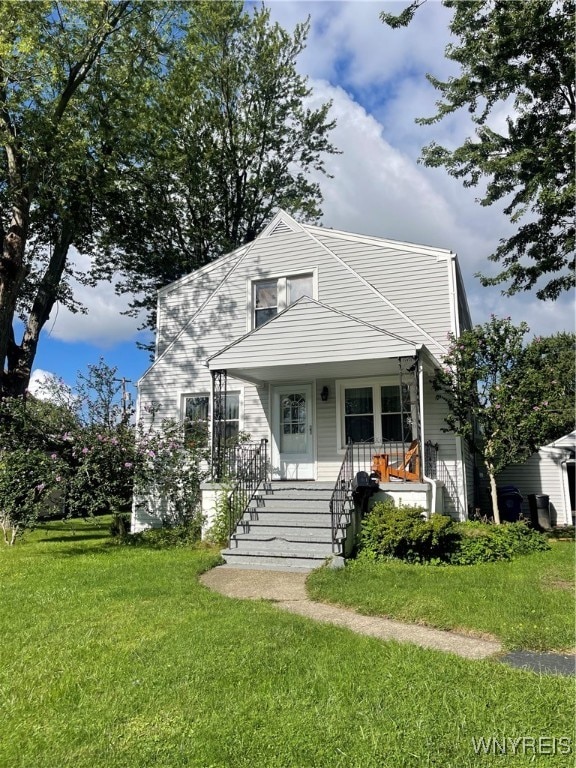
126, 398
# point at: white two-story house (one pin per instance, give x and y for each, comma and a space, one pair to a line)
322, 343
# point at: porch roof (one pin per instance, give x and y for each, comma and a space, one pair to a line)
310, 339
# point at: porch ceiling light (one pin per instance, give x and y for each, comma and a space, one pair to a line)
324, 394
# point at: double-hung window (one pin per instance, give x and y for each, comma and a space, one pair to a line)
265, 301
374, 411
269, 297
196, 414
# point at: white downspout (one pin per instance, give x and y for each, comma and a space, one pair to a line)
453, 297
429, 480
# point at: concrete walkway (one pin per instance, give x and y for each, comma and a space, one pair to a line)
288, 591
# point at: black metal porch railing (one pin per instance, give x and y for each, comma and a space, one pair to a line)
402, 460
247, 464
431, 460
403, 464
340, 502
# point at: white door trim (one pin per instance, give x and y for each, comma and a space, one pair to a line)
304, 467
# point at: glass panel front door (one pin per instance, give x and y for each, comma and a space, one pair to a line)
293, 423
293, 443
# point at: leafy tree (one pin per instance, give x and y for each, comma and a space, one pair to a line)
522, 51
73, 76
227, 141
79, 454
504, 399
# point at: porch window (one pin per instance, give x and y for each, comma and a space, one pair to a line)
269, 297
359, 414
395, 402
232, 417
372, 411
196, 418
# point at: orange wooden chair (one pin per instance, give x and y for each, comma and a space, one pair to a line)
409, 468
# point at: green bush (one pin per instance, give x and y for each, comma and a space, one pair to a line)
482, 543
185, 535
403, 532
567, 532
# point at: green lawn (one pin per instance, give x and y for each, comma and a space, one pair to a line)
116, 657
527, 603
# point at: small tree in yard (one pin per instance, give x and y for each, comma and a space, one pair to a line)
82, 445
501, 398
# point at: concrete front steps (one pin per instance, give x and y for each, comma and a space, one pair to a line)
288, 526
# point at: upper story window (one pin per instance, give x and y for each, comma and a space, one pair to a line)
265, 301
270, 297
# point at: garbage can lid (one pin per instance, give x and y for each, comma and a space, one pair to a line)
502, 490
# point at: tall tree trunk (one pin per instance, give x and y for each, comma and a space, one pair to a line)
12, 274
20, 359
494, 495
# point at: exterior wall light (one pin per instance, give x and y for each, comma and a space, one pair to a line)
324, 394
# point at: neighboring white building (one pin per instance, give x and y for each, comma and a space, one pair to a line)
319, 338
550, 471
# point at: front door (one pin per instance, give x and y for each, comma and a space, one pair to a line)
293, 447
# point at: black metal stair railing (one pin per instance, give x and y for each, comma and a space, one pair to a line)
341, 502
247, 464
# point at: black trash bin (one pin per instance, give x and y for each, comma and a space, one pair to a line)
539, 504
509, 503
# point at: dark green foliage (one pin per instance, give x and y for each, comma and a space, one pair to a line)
75, 76
481, 543
187, 535
226, 141
521, 51
403, 532
569, 532
506, 399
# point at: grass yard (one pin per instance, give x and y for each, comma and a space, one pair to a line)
116, 657
527, 603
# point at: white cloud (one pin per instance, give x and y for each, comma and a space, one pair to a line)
104, 324
379, 190
38, 381
376, 77
45, 385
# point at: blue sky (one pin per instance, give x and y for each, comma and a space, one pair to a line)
375, 78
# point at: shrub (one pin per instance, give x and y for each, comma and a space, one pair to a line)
567, 532
403, 532
28, 480
168, 536
482, 543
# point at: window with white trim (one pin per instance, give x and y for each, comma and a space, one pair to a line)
269, 297
374, 411
196, 416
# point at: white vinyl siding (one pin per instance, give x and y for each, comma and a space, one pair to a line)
543, 473
202, 314
416, 284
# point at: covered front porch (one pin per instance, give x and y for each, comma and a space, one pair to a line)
325, 379
341, 402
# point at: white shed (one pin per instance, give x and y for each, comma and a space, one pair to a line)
550, 471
